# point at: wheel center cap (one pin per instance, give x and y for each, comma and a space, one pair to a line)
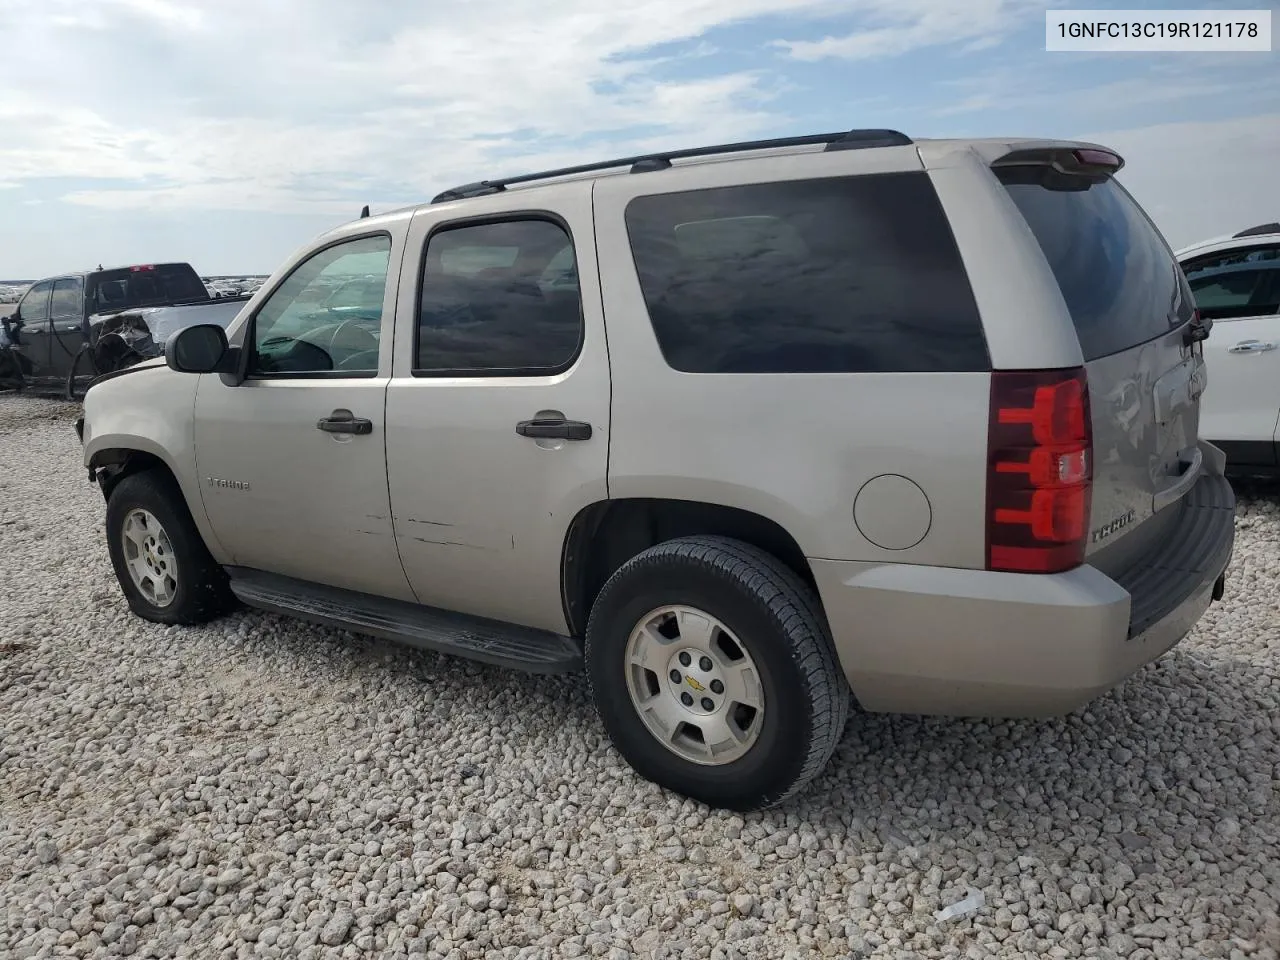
695, 682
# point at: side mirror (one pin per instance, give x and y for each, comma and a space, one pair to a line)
198, 349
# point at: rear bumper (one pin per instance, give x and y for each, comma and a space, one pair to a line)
938, 640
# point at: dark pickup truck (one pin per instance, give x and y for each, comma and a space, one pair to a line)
68, 329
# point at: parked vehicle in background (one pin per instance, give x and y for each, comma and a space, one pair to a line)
916, 419
68, 329
10, 294
1236, 284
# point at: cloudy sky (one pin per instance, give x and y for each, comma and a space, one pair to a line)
229, 132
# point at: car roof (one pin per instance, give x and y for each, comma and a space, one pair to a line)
989, 148
1235, 240
83, 274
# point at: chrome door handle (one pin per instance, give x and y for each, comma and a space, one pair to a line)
1252, 346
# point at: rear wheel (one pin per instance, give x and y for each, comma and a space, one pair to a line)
160, 560
713, 671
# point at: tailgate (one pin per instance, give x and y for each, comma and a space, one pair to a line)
1132, 310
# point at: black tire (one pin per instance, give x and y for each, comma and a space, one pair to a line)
202, 590
779, 621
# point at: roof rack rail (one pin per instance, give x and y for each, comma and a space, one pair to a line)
1259, 230
646, 163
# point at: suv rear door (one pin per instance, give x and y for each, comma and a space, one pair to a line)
1131, 308
67, 319
489, 337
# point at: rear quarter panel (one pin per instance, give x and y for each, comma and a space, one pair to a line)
795, 448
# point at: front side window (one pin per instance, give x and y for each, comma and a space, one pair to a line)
35, 305
1236, 283
326, 317
499, 299
66, 300
846, 275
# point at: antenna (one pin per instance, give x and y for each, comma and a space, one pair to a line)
365, 212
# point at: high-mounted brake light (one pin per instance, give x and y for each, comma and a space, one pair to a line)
1040, 470
1097, 158
142, 269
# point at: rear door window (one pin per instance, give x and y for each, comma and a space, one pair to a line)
66, 300
845, 275
499, 299
1120, 281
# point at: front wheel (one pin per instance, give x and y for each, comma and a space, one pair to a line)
714, 673
163, 566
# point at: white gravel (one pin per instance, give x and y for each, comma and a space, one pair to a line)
263, 788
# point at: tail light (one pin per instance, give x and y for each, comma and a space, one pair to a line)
1039, 470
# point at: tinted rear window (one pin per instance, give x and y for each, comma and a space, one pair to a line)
1119, 279
848, 275
128, 288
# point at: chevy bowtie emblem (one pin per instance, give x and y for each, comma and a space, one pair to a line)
694, 683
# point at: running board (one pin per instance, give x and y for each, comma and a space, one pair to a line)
442, 631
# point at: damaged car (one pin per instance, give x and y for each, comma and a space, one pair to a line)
67, 330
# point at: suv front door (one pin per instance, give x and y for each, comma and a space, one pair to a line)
1240, 292
503, 331
34, 335
292, 461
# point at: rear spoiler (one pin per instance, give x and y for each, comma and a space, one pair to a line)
1083, 160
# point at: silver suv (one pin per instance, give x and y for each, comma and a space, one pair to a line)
734, 430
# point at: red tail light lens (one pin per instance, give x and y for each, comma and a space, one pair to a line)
1040, 470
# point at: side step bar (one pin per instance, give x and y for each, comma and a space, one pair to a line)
442, 631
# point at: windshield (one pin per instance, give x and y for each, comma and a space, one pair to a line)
132, 287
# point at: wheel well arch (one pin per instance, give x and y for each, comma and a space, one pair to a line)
605, 535
109, 467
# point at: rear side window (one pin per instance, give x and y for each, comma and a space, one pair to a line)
66, 300
847, 275
1121, 283
499, 299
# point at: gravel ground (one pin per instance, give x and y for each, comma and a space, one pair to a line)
264, 788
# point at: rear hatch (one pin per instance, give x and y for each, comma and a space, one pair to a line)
1133, 314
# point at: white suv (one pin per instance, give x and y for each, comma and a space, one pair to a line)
1236, 283
736, 430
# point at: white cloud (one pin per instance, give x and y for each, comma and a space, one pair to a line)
248, 105
900, 26
1201, 179
1017, 88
